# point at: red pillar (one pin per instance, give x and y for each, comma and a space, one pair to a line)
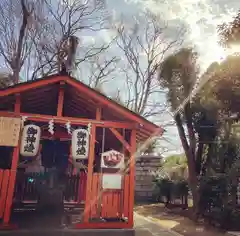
90, 174
3, 191
60, 100
132, 177
13, 172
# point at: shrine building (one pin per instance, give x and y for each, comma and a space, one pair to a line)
67, 156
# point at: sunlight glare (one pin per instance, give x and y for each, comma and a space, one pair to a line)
218, 54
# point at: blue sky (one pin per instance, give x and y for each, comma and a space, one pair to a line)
200, 17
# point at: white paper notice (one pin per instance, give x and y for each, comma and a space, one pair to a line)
112, 181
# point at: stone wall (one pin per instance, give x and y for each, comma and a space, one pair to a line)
144, 186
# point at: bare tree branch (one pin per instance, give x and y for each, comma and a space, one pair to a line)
144, 46
14, 33
35, 33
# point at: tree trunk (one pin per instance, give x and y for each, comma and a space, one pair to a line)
15, 75
192, 179
208, 159
17, 61
225, 146
193, 184
199, 154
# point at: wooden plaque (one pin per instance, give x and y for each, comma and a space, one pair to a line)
9, 131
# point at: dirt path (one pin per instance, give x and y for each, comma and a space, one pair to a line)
147, 227
175, 221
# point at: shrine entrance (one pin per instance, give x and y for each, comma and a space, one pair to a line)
49, 190
79, 160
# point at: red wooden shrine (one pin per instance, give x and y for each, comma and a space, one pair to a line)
65, 99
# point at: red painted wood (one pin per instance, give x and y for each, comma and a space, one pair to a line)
94, 196
61, 134
1, 177
26, 191
63, 120
82, 187
88, 92
103, 225
11, 186
91, 157
126, 196
3, 195
114, 202
60, 99
132, 175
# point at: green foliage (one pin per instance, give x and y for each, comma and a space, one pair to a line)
170, 181
175, 160
230, 32
224, 86
178, 75
167, 190
175, 167
163, 188
216, 203
207, 133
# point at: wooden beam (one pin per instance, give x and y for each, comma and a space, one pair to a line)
40, 93
60, 99
88, 92
98, 113
12, 178
38, 101
76, 95
77, 110
76, 121
111, 105
132, 177
28, 86
17, 105
91, 157
121, 139
84, 106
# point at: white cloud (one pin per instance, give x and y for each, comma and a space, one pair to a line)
87, 40
107, 35
201, 17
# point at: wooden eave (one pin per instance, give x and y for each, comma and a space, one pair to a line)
78, 99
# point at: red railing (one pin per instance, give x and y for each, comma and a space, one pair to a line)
26, 190
106, 204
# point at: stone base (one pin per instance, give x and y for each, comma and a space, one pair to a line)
70, 232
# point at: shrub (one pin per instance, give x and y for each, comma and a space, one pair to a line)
215, 203
168, 190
